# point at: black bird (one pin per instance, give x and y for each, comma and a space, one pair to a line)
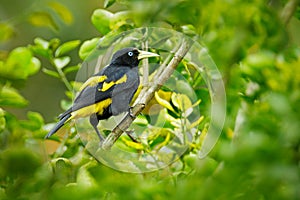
107, 93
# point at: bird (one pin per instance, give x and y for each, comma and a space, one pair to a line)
108, 92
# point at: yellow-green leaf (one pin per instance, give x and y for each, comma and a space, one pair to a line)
101, 20
19, 64
119, 19
63, 12
50, 73
87, 47
163, 102
2, 120
181, 101
66, 47
6, 32
10, 97
42, 19
134, 145
62, 62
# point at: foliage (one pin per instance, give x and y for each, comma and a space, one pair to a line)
257, 155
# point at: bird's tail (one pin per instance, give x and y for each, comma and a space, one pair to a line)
58, 125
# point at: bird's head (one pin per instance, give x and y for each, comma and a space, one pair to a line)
130, 56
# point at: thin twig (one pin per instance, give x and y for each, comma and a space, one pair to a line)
159, 80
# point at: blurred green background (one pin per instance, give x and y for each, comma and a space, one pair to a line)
255, 45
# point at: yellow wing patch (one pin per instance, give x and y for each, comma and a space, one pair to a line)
91, 109
106, 86
93, 81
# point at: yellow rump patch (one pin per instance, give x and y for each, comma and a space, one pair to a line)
91, 109
94, 80
106, 86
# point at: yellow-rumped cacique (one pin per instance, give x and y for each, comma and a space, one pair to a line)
107, 93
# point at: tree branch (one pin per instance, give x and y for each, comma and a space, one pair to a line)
159, 80
289, 10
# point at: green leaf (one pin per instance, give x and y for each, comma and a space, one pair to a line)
42, 19
6, 32
189, 30
41, 47
54, 44
66, 47
35, 121
41, 42
34, 66
119, 19
19, 162
108, 3
2, 120
101, 20
51, 73
10, 97
71, 69
63, 12
164, 102
19, 64
62, 62
65, 104
87, 47
182, 102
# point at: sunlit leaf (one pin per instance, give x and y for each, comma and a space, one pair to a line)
11, 97
64, 13
189, 30
6, 32
66, 47
42, 19
87, 47
19, 64
181, 101
101, 20
41, 42
119, 19
34, 66
134, 145
62, 62
141, 120
164, 102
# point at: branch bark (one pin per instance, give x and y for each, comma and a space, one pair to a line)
147, 94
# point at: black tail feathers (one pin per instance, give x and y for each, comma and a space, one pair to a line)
58, 125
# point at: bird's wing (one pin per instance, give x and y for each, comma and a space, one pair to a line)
123, 92
96, 92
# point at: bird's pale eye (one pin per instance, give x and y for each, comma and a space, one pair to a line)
130, 53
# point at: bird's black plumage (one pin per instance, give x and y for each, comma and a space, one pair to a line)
108, 92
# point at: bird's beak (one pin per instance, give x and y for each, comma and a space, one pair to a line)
146, 54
